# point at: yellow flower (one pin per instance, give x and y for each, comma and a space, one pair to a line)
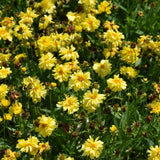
9, 155
128, 71
110, 25
29, 81
46, 126
4, 58
116, 84
113, 129
73, 65
7, 116
70, 104
16, 108
88, 4
129, 55
155, 106
28, 17
37, 91
5, 34
92, 100
45, 21
80, 81
45, 43
5, 103
145, 42
8, 22
4, 72
3, 91
154, 153
53, 85
28, 146
22, 31
43, 147
92, 148
103, 68
91, 23
47, 61
69, 53
109, 52
61, 72
113, 38
19, 57
104, 7
47, 5
61, 157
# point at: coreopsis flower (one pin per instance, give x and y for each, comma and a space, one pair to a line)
70, 104
4, 72
103, 68
145, 42
92, 148
8, 22
128, 71
61, 157
113, 129
47, 5
80, 81
88, 4
29, 81
155, 106
45, 43
9, 155
22, 31
28, 17
28, 146
104, 6
47, 61
61, 72
46, 126
110, 25
5, 34
113, 38
109, 52
92, 100
43, 147
69, 53
4, 58
116, 84
37, 91
129, 55
5, 103
15, 108
73, 65
90, 23
19, 57
7, 116
45, 21
3, 91
154, 153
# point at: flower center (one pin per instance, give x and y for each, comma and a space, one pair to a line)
116, 81
93, 96
80, 78
93, 146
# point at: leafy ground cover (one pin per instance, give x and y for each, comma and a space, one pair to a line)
79, 79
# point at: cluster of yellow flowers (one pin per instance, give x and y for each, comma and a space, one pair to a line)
54, 50
32, 146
